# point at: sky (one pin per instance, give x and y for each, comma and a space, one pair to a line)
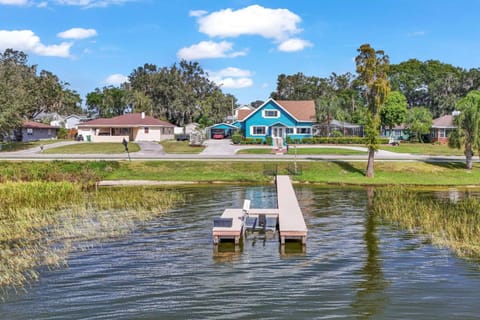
243, 45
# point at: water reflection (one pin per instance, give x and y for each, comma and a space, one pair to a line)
370, 297
168, 269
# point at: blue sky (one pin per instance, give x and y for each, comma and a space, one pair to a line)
243, 45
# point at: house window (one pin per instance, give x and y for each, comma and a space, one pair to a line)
258, 130
145, 130
49, 132
441, 133
270, 114
30, 131
289, 130
304, 130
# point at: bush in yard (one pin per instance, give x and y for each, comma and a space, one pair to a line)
268, 141
236, 138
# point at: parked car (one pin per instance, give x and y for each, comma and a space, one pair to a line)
218, 136
182, 137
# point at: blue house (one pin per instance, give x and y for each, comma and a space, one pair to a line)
278, 120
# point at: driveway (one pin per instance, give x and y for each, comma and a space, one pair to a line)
149, 148
220, 147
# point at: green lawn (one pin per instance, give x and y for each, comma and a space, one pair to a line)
93, 148
424, 148
323, 172
172, 146
18, 146
303, 151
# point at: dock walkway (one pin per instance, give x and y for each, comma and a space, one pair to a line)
290, 218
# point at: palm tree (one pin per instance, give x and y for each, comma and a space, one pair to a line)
468, 126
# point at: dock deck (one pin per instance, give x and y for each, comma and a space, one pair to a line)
291, 225
290, 218
234, 231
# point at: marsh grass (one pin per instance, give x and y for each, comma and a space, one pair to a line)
40, 223
452, 224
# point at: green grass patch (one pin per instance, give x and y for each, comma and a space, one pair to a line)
93, 148
172, 146
424, 148
198, 171
324, 172
306, 151
18, 146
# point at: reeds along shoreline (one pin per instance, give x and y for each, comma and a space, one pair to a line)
452, 224
40, 222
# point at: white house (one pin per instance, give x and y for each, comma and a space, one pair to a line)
131, 127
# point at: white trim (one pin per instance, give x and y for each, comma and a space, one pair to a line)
265, 103
309, 128
258, 134
264, 114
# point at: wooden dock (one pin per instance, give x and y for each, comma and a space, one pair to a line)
291, 225
233, 231
290, 217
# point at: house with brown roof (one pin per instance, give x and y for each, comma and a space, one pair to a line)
131, 127
33, 131
278, 120
441, 128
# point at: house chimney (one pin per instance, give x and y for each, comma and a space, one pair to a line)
143, 115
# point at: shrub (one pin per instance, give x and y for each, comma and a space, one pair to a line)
62, 133
236, 138
268, 141
336, 133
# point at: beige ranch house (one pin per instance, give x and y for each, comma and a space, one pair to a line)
131, 127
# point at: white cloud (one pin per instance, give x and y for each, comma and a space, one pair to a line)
115, 79
278, 24
197, 13
232, 78
417, 33
27, 41
209, 49
232, 72
236, 83
77, 33
14, 2
91, 3
294, 44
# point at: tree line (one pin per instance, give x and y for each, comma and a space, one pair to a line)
180, 94
431, 84
25, 92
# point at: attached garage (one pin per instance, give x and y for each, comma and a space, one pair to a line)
221, 131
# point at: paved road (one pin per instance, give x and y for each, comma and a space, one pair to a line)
215, 150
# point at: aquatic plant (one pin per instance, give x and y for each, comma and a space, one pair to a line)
41, 222
450, 223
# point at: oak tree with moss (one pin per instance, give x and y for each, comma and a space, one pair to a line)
372, 67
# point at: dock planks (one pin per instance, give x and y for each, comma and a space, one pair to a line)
290, 218
235, 231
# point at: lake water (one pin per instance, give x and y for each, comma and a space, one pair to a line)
352, 268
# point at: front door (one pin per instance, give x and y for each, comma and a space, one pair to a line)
278, 132
278, 137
